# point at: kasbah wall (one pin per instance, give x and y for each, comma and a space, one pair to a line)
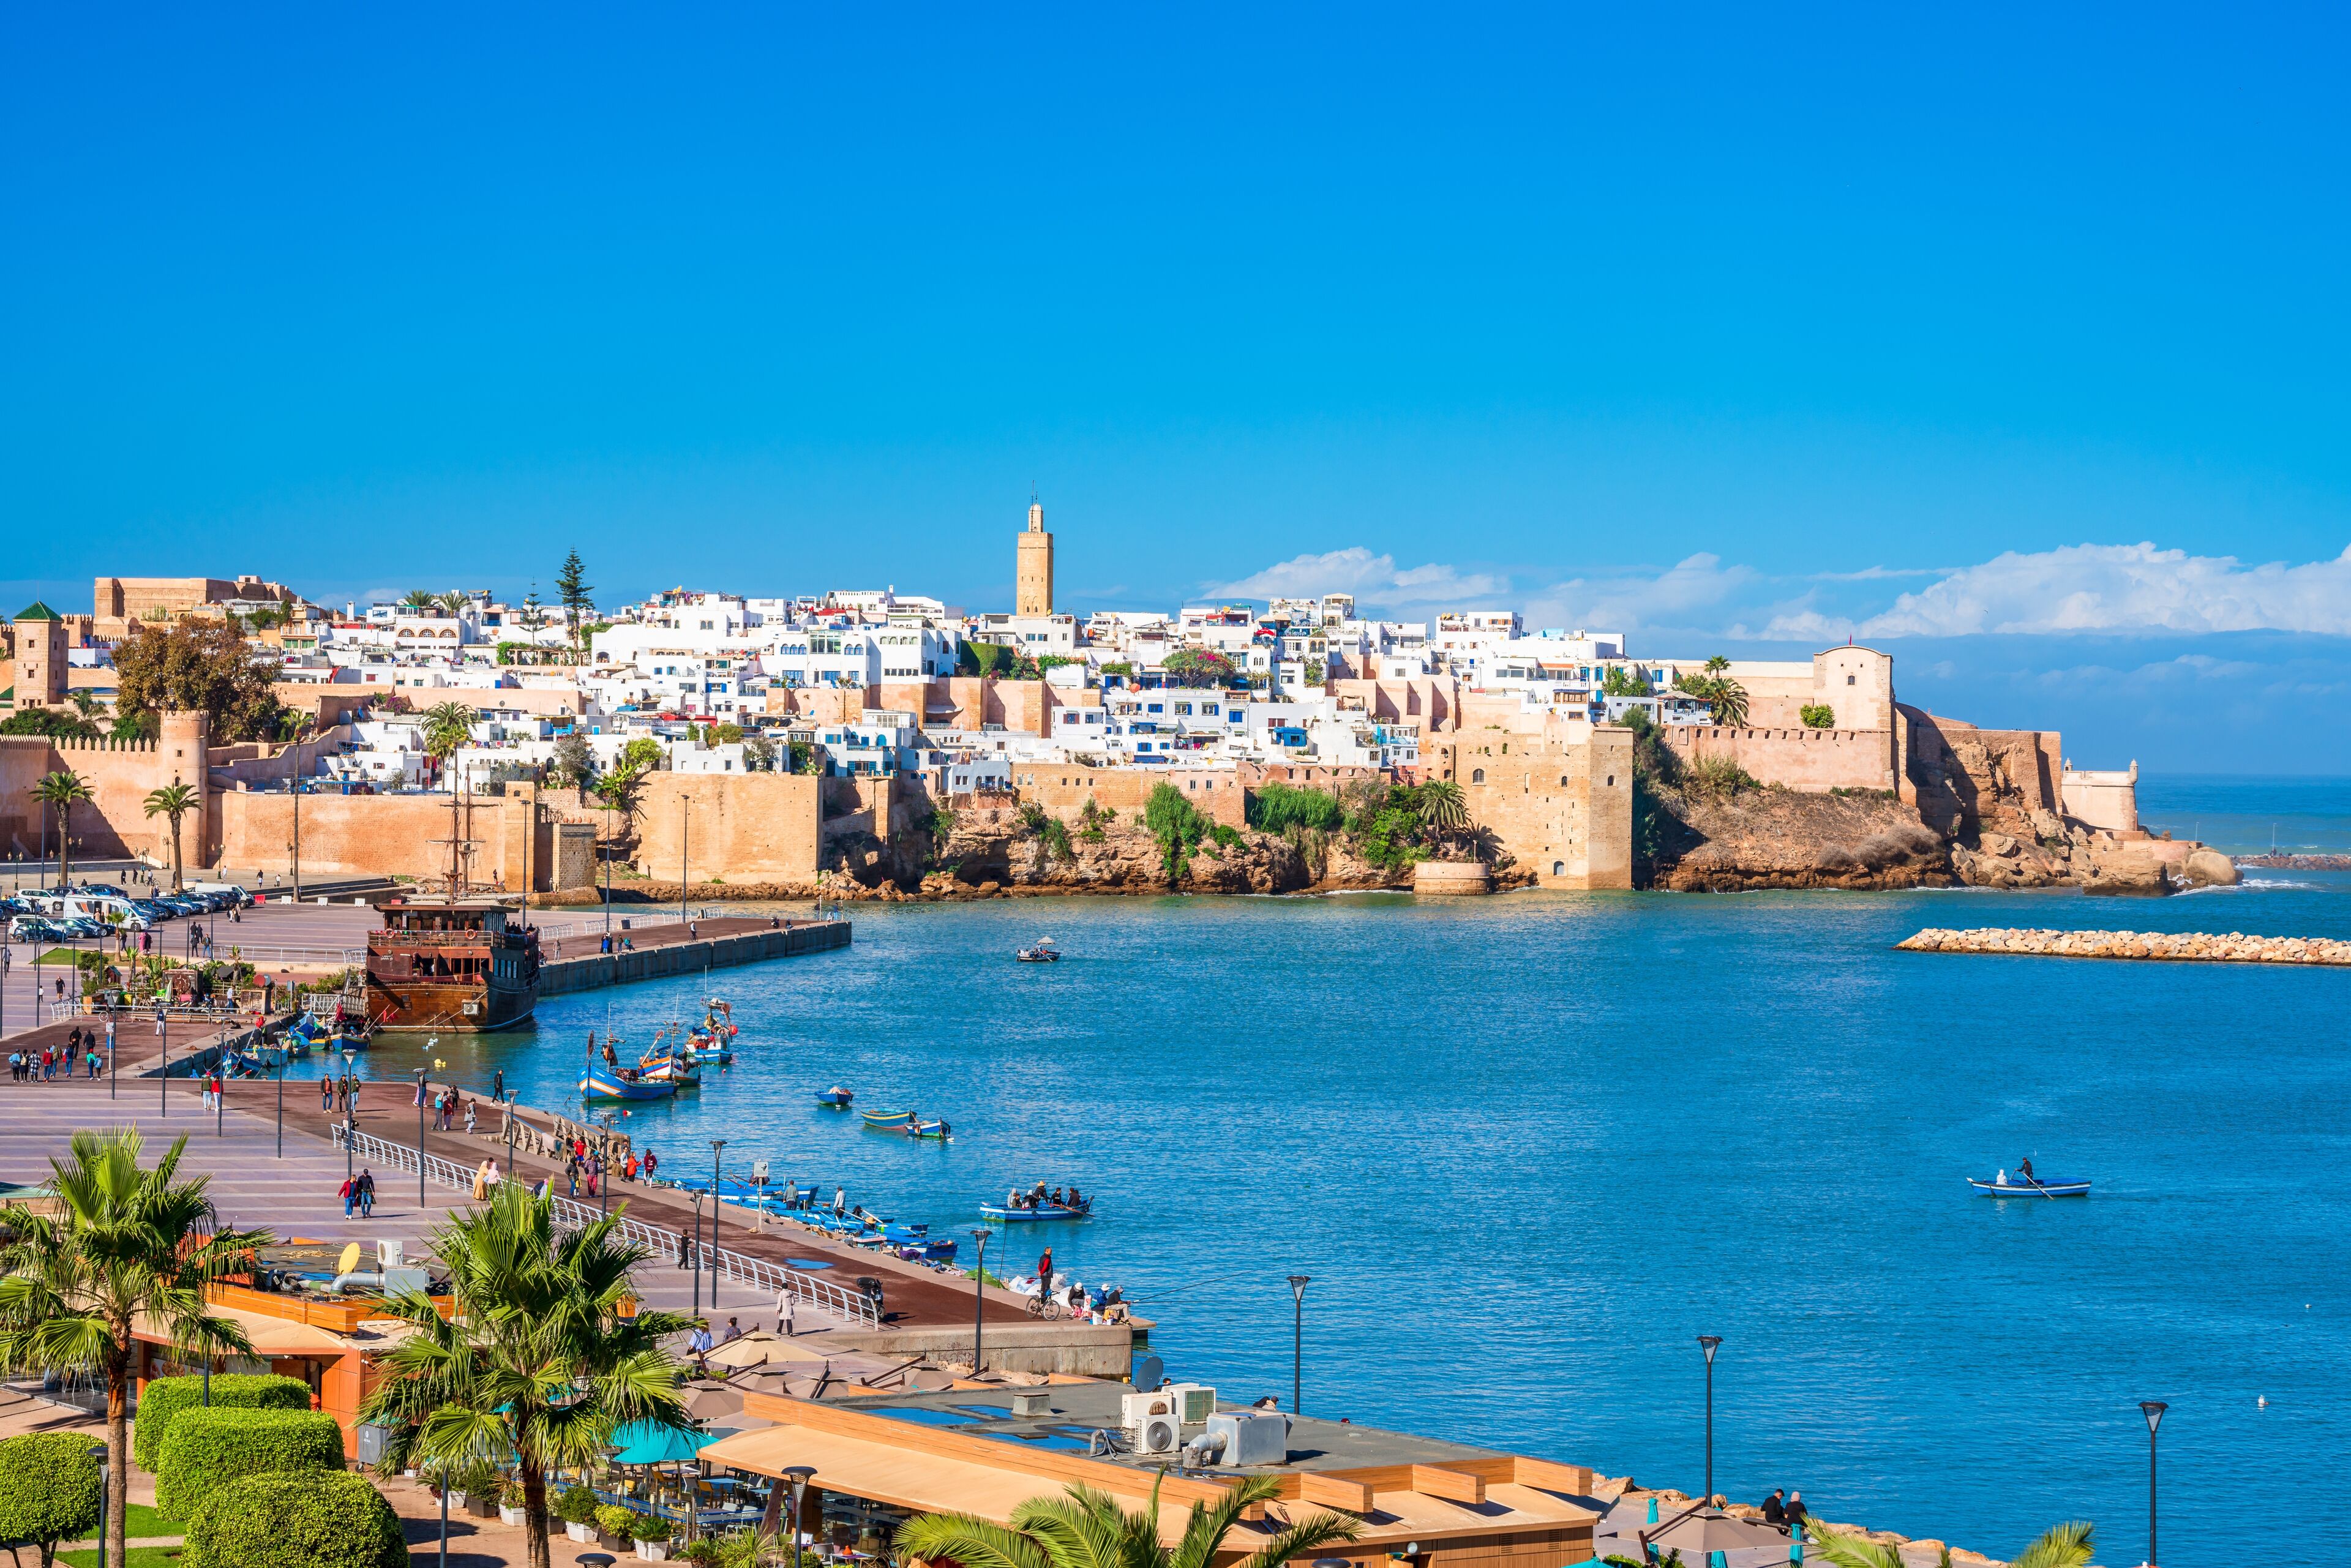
1062, 788
531, 838
745, 827
1558, 798
121, 774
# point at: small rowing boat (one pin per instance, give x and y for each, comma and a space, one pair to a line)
891, 1120
2006, 1184
936, 1127
835, 1098
1041, 1211
1040, 951
604, 1083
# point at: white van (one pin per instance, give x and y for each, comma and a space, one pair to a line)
103, 907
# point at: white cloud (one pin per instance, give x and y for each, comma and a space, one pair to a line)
1678, 596
2122, 588
1372, 578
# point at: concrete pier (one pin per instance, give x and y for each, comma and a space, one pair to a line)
676, 949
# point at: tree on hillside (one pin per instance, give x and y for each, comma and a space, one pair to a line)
1620, 681
574, 763
532, 617
548, 1351
175, 801
199, 664
49, 721
1442, 811
61, 793
447, 727
572, 588
126, 1243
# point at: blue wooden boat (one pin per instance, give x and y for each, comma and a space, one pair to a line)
1042, 1211
2010, 1184
835, 1098
890, 1119
601, 1083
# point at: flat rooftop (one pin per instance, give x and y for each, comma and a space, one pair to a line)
1074, 1412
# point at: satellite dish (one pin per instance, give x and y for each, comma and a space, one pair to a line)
1150, 1374
350, 1260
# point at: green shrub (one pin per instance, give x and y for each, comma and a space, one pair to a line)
702, 1552
1178, 826
575, 1504
621, 1523
165, 1397
1273, 807
49, 1490
1056, 835
1717, 775
206, 1449
511, 1495
323, 1520
1818, 716
649, 1527
475, 1478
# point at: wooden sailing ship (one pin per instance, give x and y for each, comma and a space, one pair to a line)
452, 962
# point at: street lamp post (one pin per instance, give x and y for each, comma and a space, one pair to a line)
979, 1294
2153, 1410
105, 1484
281, 1100
1709, 1343
716, 1144
1298, 1283
697, 1253
684, 827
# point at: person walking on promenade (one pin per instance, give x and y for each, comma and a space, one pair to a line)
1045, 1273
652, 1162
785, 1305
469, 1118
481, 1182
326, 1091
367, 1192
498, 1085
94, 1061
349, 1194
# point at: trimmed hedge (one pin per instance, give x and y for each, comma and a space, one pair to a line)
165, 1397
323, 1520
206, 1449
48, 1489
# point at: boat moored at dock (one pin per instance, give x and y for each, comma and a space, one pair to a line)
454, 965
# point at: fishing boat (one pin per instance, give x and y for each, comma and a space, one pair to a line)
835, 1098
892, 1120
601, 1082
930, 1249
2008, 1185
674, 1071
936, 1127
1040, 951
1041, 1211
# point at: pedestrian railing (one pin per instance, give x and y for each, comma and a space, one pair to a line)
759, 1274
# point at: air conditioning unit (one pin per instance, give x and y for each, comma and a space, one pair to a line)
1252, 1436
1158, 1434
1134, 1409
1195, 1402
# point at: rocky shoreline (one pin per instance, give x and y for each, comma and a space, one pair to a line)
2299, 863
2175, 946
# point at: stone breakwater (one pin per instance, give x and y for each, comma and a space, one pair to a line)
2194, 946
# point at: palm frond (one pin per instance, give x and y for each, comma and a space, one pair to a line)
1855, 1552
2067, 1545
972, 1542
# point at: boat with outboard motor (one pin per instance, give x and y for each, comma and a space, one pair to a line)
1040, 951
1015, 1213
603, 1082
835, 1098
2009, 1184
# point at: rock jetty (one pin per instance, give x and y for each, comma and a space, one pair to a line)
2189, 947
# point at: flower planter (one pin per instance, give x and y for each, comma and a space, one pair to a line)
483, 1507
612, 1542
578, 1532
457, 1500
652, 1551
510, 1515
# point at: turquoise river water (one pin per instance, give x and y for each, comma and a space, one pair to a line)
1530, 1147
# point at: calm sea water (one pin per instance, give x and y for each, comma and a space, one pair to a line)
1530, 1147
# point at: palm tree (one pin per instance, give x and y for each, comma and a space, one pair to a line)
447, 726
1729, 700
1716, 664
2060, 1546
453, 601
1441, 809
1087, 1528
86, 704
176, 800
61, 793
129, 1244
420, 599
537, 1363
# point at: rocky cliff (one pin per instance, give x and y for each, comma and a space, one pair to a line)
1781, 838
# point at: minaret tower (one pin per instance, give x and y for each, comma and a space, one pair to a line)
1034, 578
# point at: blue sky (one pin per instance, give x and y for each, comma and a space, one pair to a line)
1722, 327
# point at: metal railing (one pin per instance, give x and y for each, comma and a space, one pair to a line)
759, 1273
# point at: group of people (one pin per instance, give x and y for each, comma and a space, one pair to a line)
358, 1192
339, 1093
1039, 1198
1784, 1515
445, 1106
80, 1050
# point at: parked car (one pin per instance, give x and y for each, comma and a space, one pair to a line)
154, 909
30, 928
